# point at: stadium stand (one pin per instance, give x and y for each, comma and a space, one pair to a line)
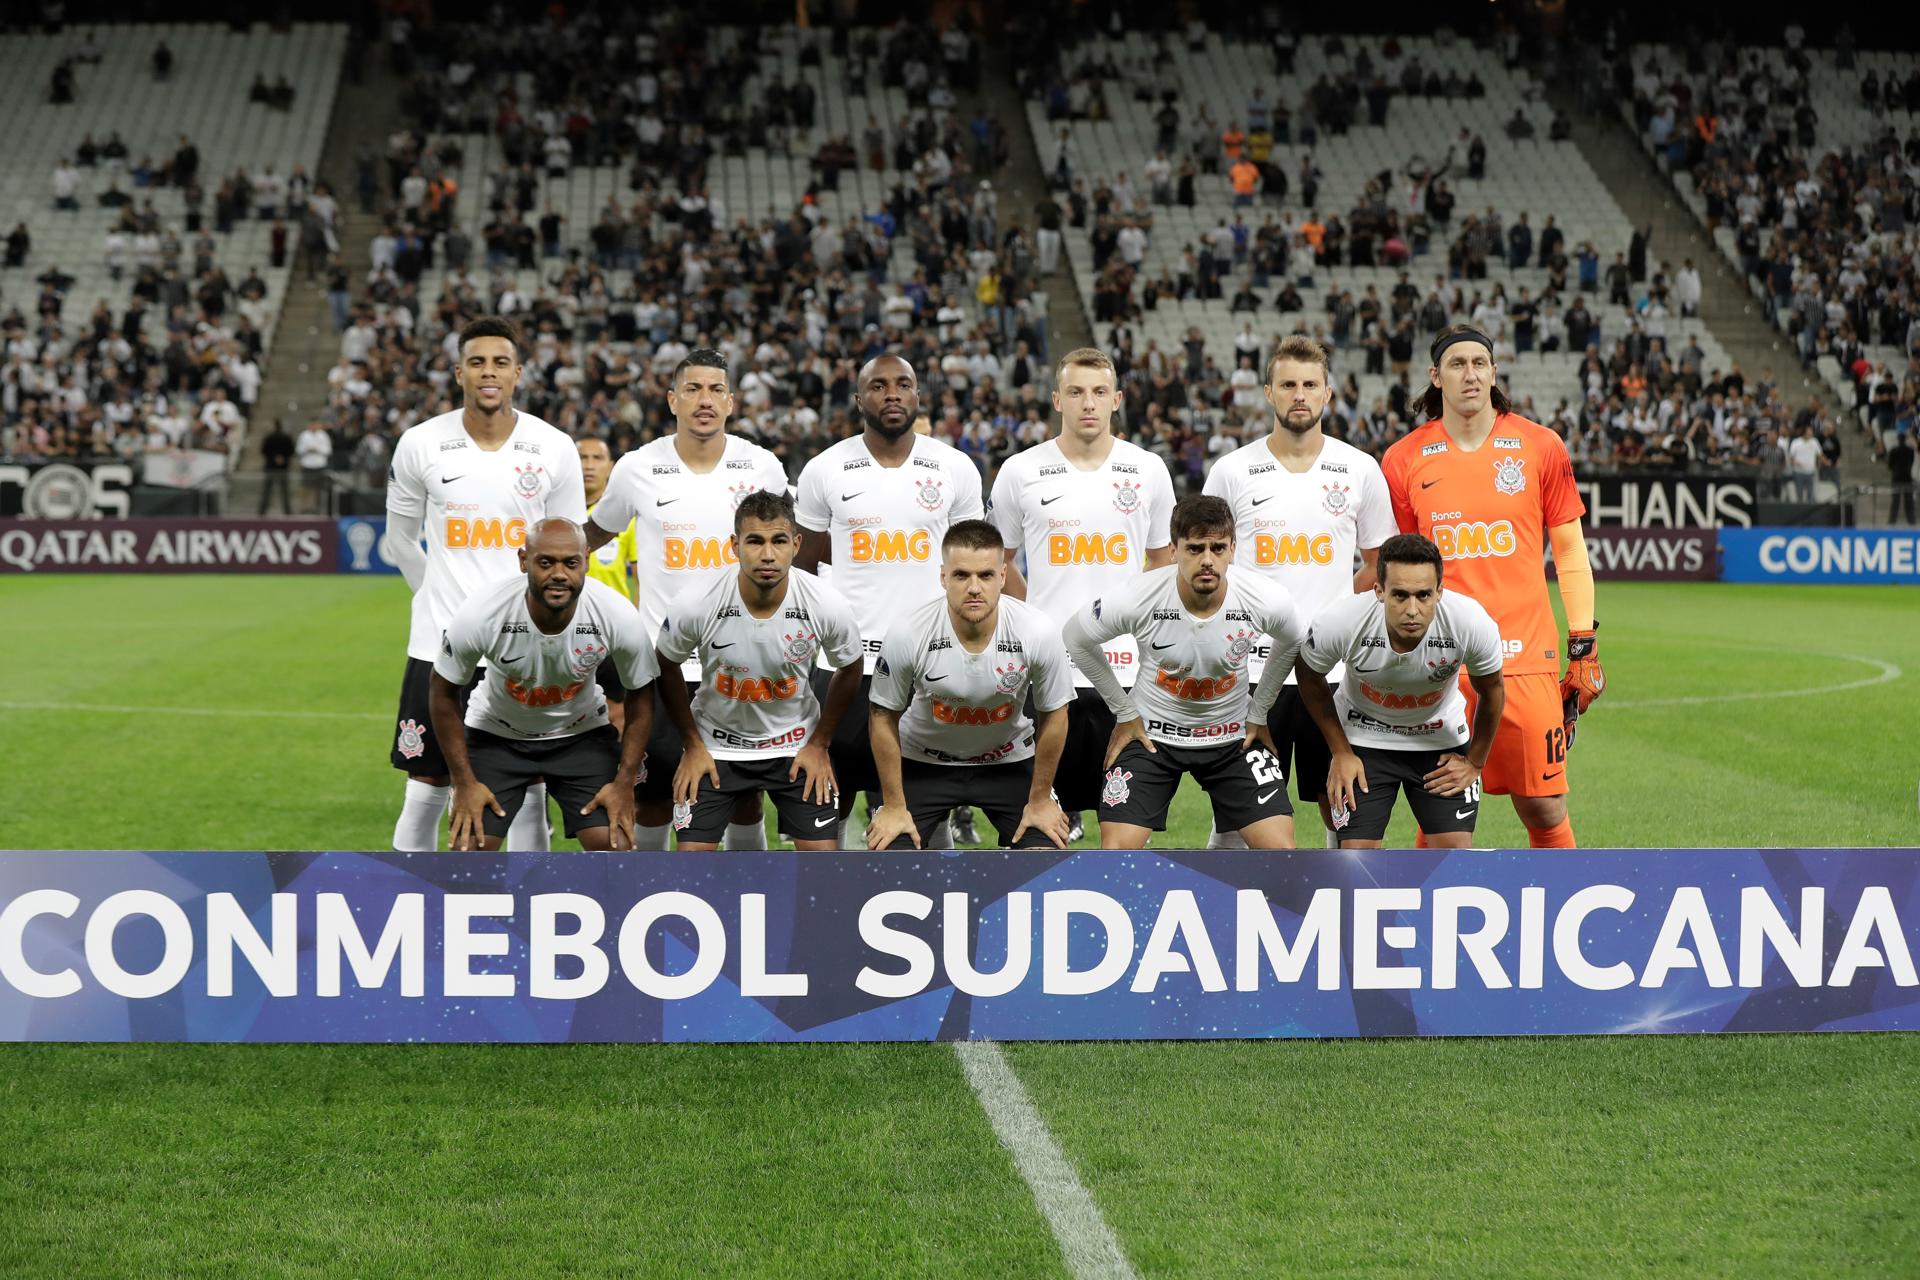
1805, 165
1365, 140
154, 210
833, 201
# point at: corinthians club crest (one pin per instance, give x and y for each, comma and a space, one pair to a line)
798, 646
527, 480
587, 659
1337, 500
412, 742
739, 492
1008, 678
1239, 645
1115, 793
1510, 475
930, 495
1126, 497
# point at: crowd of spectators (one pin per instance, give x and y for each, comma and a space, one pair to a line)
797, 299
1830, 232
177, 365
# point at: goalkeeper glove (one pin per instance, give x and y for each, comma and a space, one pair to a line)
1584, 680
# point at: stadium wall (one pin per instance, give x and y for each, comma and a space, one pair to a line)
781, 946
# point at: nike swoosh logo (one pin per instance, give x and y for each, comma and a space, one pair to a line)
662, 502
1549, 777
728, 645
1266, 796
849, 497
931, 679
1159, 647
1428, 484
1463, 813
1257, 501
824, 822
451, 479
1055, 498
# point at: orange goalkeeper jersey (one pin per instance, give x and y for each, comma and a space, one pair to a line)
1489, 510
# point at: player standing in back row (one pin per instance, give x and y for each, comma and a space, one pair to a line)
1491, 489
881, 501
680, 492
1091, 512
1192, 711
1303, 505
477, 479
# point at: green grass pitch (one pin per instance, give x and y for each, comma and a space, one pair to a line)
246, 713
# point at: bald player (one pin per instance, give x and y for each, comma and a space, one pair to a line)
538, 717
877, 505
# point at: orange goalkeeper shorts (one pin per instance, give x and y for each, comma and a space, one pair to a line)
1529, 755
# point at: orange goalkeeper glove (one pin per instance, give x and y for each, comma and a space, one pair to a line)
1584, 680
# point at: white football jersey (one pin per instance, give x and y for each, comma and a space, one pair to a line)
1410, 701
477, 505
1086, 533
886, 524
683, 520
970, 708
755, 697
540, 685
1194, 685
1302, 531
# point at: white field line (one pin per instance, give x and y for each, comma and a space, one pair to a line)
248, 713
1889, 672
1086, 1241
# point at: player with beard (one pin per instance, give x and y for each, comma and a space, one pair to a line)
537, 716
877, 505
1091, 513
679, 493
1311, 513
473, 481
1492, 490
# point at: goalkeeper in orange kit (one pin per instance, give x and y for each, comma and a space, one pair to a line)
1493, 489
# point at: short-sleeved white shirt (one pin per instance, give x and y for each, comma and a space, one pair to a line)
970, 708
1085, 533
1405, 701
756, 697
1302, 530
886, 524
540, 685
683, 520
1195, 687
477, 506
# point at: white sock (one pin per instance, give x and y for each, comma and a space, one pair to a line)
840, 835
746, 835
1333, 838
528, 833
1218, 839
651, 837
418, 830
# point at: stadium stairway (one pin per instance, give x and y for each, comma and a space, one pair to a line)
1726, 306
366, 110
1022, 185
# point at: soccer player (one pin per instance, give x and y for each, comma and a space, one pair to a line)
949, 695
477, 479
1091, 512
537, 716
1490, 488
1189, 710
679, 493
1399, 721
1304, 506
611, 563
880, 502
756, 725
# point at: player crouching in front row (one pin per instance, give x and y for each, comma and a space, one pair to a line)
947, 713
1191, 710
539, 715
1399, 719
756, 725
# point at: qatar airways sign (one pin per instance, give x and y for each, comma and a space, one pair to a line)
163, 545
916, 946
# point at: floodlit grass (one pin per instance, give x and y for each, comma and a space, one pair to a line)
1781, 1155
